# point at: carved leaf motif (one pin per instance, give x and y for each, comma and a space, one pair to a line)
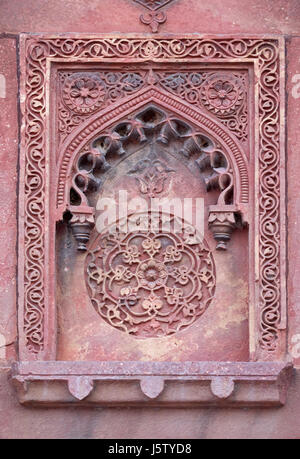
143, 185
151, 175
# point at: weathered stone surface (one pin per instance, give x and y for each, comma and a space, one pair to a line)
293, 204
110, 16
23, 422
255, 17
8, 198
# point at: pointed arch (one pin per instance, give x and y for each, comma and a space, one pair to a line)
151, 95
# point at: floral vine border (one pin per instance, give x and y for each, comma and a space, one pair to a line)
38, 49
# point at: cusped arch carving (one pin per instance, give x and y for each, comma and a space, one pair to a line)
107, 118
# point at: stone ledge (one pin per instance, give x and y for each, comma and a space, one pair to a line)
152, 383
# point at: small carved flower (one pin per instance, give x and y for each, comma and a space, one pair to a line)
173, 295
152, 274
223, 93
205, 275
152, 304
128, 297
151, 246
151, 49
189, 310
83, 93
125, 291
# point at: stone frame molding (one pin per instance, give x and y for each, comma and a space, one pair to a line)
261, 202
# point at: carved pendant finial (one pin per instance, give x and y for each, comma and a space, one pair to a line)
222, 223
82, 222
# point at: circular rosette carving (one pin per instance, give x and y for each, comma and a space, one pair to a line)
222, 94
150, 284
83, 93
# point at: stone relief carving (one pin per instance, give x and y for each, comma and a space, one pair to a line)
149, 284
270, 241
198, 105
195, 88
83, 92
152, 173
153, 18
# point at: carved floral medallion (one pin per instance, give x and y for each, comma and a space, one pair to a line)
222, 94
150, 284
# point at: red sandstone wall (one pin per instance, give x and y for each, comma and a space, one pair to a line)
191, 16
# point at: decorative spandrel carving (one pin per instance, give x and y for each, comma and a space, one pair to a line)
222, 94
225, 96
150, 283
83, 93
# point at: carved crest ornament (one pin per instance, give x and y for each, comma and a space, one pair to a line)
84, 111
155, 16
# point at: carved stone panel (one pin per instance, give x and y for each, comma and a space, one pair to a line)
152, 225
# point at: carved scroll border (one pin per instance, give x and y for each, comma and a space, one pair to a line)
267, 55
